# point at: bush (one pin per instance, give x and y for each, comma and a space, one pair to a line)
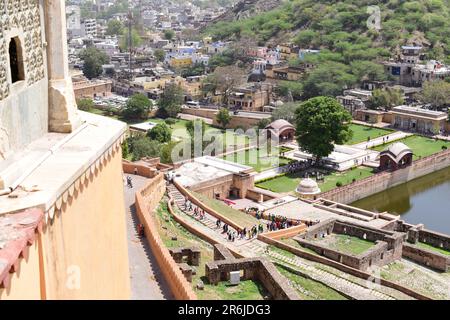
170, 121
338, 184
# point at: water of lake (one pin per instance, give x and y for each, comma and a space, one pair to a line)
425, 200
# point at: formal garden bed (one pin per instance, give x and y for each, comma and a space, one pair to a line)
288, 182
421, 146
361, 133
345, 243
258, 159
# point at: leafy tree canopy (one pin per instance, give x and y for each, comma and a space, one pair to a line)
93, 59
321, 122
137, 107
161, 133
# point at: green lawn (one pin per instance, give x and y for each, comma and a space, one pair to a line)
421, 146
432, 248
245, 290
348, 244
361, 132
251, 158
289, 182
239, 217
179, 132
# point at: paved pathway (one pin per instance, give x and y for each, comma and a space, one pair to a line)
147, 281
379, 141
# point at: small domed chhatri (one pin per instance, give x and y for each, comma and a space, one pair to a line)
308, 188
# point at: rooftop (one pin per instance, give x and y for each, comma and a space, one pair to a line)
207, 168
420, 112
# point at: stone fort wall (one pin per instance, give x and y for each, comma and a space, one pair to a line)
147, 199
385, 180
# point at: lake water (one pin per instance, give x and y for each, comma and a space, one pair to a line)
425, 200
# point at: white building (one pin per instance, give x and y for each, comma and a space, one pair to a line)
89, 28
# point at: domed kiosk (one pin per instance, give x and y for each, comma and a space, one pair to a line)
308, 188
397, 156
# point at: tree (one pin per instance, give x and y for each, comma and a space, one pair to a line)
93, 59
328, 79
223, 79
136, 39
85, 104
171, 100
161, 133
386, 98
166, 152
223, 117
263, 123
114, 28
125, 150
436, 93
144, 147
169, 35
137, 107
159, 54
321, 122
291, 90
285, 112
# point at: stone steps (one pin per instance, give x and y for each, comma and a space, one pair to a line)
342, 285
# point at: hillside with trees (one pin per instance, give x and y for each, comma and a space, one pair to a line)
350, 49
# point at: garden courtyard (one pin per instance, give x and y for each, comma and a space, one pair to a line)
361, 133
421, 146
287, 183
258, 159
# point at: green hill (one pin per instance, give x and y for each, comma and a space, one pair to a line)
350, 49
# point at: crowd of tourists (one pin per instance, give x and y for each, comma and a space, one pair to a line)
197, 211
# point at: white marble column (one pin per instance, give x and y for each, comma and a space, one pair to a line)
63, 115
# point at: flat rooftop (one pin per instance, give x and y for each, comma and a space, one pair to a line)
207, 168
143, 126
420, 112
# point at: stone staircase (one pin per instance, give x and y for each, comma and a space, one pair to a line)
208, 221
347, 287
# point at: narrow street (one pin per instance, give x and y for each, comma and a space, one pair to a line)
147, 281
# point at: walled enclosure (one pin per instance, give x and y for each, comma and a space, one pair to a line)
385, 180
427, 257
258, 269
387, 244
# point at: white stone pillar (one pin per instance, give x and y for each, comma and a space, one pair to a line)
63, 115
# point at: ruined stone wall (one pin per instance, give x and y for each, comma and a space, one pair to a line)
259, 269
145, 171
387, 248
435, 239
426, 257
385, 180
340, 266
